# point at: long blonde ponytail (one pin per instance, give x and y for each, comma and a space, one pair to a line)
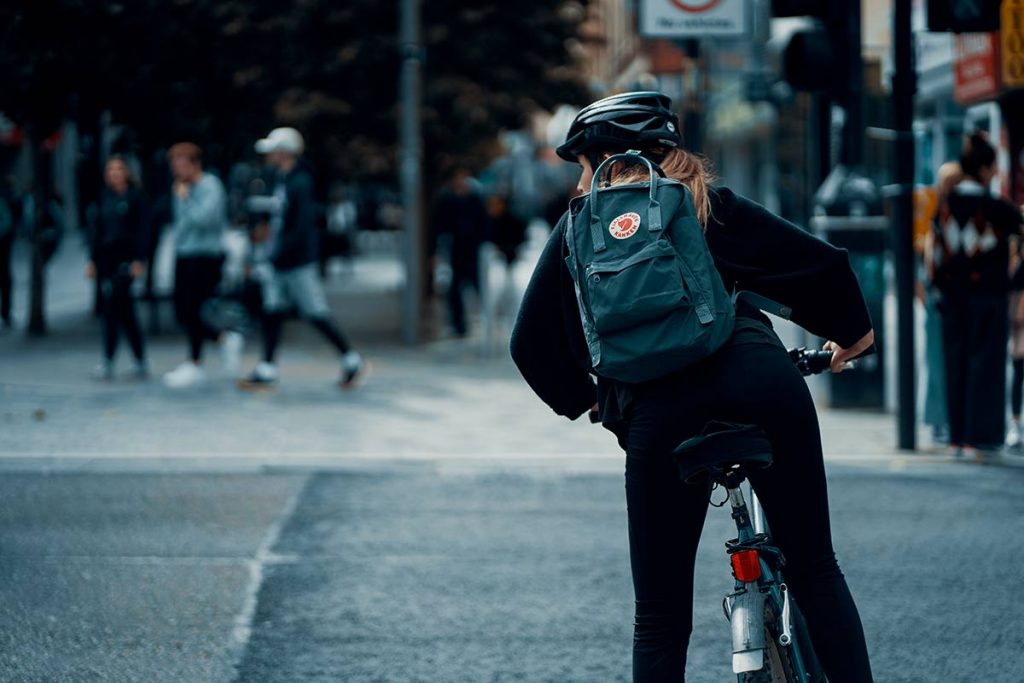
689, 169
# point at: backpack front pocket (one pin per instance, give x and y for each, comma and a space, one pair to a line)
646, 285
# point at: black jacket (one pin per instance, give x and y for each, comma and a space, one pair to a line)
978, 268
753, 249
119, 234
297, 243
465, 218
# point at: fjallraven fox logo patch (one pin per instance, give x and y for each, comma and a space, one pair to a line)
624, 226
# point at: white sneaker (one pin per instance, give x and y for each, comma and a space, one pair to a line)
185, 375
264, 376
1013, 435
231, 345
104, 371
353, 370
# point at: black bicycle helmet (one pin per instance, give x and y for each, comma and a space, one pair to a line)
626, 120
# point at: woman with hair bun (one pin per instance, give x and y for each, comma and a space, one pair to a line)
970, 267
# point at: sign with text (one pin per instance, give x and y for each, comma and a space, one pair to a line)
693, 18
976, 67
1012, 33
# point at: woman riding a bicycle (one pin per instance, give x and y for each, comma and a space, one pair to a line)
750, 380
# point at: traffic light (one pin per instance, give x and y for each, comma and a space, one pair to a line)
963, 16
813, 57
809, 60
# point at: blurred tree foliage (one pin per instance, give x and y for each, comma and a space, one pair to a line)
222, 72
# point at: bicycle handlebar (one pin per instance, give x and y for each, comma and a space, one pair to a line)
810, 362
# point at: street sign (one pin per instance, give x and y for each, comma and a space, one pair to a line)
976, 69
693, 18
1012, 34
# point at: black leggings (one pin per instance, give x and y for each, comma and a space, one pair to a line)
196, 279
750, 383
975, 330
119, 314
6, 282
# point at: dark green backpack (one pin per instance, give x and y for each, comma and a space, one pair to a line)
650, 298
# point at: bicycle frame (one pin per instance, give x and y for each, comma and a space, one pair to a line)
756, 590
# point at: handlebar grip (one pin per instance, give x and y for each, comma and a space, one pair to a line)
811, 362
818, 361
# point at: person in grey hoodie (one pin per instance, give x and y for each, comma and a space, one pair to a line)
199, 209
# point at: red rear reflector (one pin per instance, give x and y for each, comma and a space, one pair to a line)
746, 566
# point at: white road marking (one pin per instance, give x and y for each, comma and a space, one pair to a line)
242, 631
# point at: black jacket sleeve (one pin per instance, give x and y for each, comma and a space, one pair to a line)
770, 256
540, 346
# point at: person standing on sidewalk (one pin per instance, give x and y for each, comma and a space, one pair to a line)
460, 213
8, 223
115, 262
970, 263
1015, 433
288, 265
199, 210
935, 413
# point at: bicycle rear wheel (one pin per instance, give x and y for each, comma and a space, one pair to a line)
778, 660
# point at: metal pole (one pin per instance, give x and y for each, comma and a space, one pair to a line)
692, 134
852, 153
411, 169
903, 87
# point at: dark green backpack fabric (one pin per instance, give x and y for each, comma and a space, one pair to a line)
650, 298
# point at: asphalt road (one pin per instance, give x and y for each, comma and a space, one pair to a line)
440, 573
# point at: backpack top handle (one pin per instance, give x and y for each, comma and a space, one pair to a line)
653, 208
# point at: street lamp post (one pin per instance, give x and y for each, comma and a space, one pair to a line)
903, 87
411, 168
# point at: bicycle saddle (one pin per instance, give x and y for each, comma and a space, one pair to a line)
719, 446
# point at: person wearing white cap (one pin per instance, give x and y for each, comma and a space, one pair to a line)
288, 272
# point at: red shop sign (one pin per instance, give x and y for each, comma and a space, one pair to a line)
976, 69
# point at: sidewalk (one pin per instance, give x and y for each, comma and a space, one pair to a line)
460, 402
444, 402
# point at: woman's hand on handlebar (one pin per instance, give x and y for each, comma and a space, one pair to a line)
840, 356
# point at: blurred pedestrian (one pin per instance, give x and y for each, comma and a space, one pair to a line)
8, 223
970, 265
508, 231
118, 250
460, 215
339, 238
1015, 433
199, 210
935, 413
288, 270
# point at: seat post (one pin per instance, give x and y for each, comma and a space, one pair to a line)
733, 479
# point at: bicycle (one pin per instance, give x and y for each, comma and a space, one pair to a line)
771, 643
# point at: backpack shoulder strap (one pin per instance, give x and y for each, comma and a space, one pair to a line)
763, 303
